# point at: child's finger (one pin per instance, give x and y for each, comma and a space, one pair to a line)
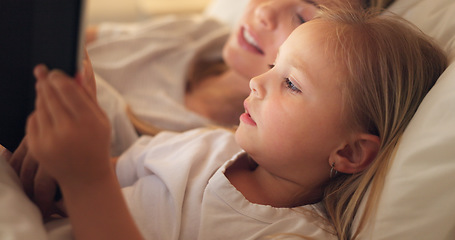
61, 209
40, 71
86, 77
44, 191
53, 100
43, 119
87, 83
17, 158
27, 174
35, 137
31, 129
74, 97
43, 115
90, 84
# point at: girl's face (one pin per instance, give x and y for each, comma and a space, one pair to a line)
265, 24
293, 119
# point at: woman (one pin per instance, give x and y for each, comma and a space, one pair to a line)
198, 75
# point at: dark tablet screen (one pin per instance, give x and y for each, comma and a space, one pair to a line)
32, 32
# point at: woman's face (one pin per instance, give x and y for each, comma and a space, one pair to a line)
265, 24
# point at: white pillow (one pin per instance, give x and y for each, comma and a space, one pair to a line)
418, 201
227, 11
19, 217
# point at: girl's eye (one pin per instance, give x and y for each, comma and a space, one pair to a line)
291, 86
271, 66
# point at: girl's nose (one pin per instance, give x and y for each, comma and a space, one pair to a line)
257, 88
266, 14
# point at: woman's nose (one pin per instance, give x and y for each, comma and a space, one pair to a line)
266, 15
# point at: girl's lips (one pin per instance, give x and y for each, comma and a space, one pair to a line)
246, 117
249, 44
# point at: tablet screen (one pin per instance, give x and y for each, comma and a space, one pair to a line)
32, 32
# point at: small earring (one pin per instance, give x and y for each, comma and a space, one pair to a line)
333, 171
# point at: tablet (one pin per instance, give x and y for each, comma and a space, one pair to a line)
33, 32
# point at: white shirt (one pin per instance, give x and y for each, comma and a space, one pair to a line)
145, 65
175, 187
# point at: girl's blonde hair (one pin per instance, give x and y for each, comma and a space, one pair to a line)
390, 67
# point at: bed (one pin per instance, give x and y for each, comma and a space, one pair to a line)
418, 197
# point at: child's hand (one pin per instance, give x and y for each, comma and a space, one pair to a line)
68, 133
38, 185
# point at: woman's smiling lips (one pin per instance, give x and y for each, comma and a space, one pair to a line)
248, 41
246, 117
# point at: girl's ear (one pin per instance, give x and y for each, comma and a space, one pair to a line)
355, 156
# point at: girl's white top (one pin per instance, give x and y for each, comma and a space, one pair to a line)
175, 187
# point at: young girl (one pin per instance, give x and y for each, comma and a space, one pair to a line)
181, 73
319, 126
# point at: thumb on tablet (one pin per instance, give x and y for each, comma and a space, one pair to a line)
86, 77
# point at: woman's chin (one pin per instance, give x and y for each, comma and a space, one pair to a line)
244, 63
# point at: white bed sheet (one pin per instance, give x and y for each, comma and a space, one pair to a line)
19, 217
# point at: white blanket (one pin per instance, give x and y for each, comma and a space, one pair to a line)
19, 217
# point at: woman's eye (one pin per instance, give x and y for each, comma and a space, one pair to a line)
301, 19
291, 86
